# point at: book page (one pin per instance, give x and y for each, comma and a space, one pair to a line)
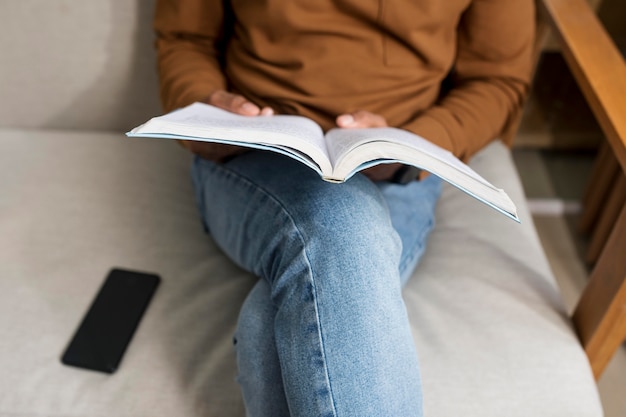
203, 115
356, 149
204, 122
341, 142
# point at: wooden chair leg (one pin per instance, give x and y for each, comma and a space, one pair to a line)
600, 316
607, 219
604, 173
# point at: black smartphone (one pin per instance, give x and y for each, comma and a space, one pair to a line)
108, 327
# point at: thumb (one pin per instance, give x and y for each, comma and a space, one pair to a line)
360, 119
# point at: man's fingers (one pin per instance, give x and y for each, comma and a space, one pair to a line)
233, 103
361, 119
345, 120
364, 118
267, 111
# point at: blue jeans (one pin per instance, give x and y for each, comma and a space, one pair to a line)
325, 331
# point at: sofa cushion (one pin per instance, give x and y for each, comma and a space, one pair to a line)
77, 64
488, 322
491, 330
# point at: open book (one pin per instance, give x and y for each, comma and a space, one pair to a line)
336, 155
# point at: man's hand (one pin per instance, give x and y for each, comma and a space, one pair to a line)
365, 119
233, 103
361, 119
237, 104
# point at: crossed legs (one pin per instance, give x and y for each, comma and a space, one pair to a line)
325, 331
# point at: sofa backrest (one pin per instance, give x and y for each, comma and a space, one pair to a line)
72, 64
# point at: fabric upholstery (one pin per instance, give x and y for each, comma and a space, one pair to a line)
489, 325
77, 198
70, 64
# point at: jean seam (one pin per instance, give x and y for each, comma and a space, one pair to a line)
319, 322
227, 172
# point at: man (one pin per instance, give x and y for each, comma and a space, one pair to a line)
324, 332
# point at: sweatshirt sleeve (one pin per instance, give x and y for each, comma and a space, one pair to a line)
491, 77
189, 42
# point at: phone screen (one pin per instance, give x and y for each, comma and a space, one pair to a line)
109, 325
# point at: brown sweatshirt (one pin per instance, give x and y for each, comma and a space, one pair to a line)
322, 58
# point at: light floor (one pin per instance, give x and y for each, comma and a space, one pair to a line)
554, 183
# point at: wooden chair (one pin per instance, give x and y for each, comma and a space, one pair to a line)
600, 71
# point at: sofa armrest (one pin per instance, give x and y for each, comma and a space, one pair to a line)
599, 68
595, 62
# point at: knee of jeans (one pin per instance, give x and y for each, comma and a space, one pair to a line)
352, 214
328, 225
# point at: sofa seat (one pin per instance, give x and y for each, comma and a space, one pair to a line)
491, 330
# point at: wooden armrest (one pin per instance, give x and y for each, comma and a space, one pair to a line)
599, 69
595, 62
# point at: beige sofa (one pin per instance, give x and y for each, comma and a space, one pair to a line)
77, 198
